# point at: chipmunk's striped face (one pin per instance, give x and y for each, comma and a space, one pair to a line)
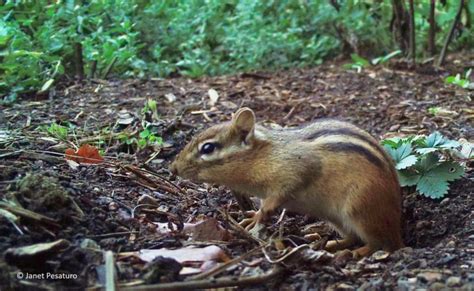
214, 147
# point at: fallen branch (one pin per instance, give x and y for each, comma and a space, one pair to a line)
28, 214
230, 281
140, 173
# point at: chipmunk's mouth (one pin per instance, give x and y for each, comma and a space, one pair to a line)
185, 172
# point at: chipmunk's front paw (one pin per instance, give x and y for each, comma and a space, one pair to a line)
255, 218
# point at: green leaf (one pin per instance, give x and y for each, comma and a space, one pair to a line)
468, 74
401, 155
406, 162
46, 85
142, 143
434, 182
436, 141
424, 151
393, 142
145, 133
408, 178
427, 162
391, 55
159, 140
359, 60
450, 80
432, 187
447, 170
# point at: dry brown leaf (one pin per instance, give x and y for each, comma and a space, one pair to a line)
86, 154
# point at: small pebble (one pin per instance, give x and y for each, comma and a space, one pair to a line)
453, 281
113, 206
344, 286
429, 277
437, 286
451, 244
422, 224
444, 201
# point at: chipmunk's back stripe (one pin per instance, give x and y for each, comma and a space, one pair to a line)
348, 132
352, 147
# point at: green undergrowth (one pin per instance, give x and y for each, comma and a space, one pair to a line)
428, 163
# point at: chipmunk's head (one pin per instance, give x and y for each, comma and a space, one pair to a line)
217, 151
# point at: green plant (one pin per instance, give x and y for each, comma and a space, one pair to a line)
150, 110
386, 58
358, 63
58, 131
42, 41
425, 162
145, 138
463, 82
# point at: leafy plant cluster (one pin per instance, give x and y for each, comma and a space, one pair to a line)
461, 81
358, 62
429, 163
42, 41
145, 136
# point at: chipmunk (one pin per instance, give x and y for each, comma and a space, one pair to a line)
329, 169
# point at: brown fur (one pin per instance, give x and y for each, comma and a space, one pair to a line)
328, 169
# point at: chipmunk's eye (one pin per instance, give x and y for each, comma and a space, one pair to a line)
208, 148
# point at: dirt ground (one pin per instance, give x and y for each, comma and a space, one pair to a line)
94, 208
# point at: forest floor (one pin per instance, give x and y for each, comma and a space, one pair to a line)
131, 202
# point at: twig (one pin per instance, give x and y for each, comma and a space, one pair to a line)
112, 234
285, 256
28, 214
164, 180
237, 227
442, 56
176, 217
109, 68
109, 271
141, 174
213, 283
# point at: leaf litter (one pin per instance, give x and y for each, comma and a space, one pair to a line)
183, 218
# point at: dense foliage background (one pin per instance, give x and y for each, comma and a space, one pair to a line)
41, 41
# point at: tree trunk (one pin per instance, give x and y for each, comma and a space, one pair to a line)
412, 33
432, 31
456, 20
400, 26
78, 61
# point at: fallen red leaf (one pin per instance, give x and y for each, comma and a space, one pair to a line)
86, 154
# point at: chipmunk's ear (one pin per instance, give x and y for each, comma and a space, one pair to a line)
244, 122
